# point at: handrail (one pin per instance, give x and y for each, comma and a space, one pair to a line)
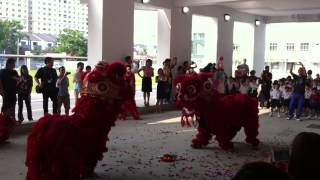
42, 56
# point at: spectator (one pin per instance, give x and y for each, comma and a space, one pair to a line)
46, 78
298, 92
24, 93
88, 69
162, 80
253, 84
186, 67
133, 64
304, 158
309, 80
180, 70
244, 86
244, 68
275, 95
77, 80
146, 81
207, 68
260, 171
314, 103
168, 65
266, 82
9, 80
307, 97
63, 94
286, 98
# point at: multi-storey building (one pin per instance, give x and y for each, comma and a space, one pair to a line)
15, 10
46, 16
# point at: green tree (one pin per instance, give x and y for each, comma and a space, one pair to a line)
10, 34
72, 42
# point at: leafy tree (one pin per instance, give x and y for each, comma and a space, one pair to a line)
10, 34
72, 42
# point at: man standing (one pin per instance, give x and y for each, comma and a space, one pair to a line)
266, 82
48, 78
297, 98
244, 68
9, 80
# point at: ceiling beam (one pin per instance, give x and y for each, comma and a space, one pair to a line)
200, 2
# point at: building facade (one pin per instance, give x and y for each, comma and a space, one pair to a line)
46, 16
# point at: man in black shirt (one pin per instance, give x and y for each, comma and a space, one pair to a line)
48, 78
9, 80
297, 98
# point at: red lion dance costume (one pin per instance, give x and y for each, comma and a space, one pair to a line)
216, 114
69, 147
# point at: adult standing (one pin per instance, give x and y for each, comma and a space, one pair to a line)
168, 65
266, 82
9, 80
297, 99
24, 93
46, 79
244, 68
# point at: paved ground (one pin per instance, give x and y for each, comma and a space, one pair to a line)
37, 110
135, 147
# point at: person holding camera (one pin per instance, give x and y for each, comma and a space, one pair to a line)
63, 93
46, 78
24, 93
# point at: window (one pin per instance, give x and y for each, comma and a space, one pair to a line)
290, 46
304, 46
273, 46
236, 48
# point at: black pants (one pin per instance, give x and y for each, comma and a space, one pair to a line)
9, 106
54, 99
27, 99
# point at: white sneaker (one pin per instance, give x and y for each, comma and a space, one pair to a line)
279, 115
271, 114
298, 119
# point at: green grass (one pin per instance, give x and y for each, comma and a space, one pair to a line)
71, 84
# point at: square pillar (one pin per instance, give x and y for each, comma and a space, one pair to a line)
225, 43
110, 34
181, 30
259, 48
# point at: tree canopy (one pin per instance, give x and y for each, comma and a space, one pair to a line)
72, 42
10, 34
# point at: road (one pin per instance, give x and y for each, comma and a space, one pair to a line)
37, 110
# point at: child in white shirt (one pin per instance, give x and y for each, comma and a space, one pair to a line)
275, 95
286, 98
307, 96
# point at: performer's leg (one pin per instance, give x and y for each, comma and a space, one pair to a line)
202, 138
251, 127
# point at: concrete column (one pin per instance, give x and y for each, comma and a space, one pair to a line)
259, 48
110, 29
164, 30
181, 30
225, 43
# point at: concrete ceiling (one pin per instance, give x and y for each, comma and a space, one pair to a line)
262, 7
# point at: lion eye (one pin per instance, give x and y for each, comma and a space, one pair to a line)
192, 89
102, 87
207, 85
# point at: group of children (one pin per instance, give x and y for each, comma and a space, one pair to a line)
163, 80
281, 93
